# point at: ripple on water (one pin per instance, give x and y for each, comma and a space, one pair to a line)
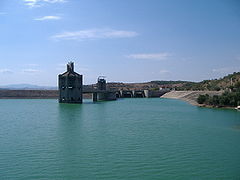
126, 139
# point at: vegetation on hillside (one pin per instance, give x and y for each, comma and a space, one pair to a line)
230, 98
224, 83
168, 82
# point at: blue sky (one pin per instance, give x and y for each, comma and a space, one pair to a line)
127, 40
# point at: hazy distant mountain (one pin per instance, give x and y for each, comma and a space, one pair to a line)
27, 87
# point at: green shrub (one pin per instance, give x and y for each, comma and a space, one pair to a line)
231, 99
217, 88
202, 98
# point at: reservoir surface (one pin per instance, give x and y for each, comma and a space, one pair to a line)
127, 139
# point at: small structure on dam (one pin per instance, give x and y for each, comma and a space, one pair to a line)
102, 93
101, 83
70, 86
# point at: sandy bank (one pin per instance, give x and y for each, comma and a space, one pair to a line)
189, 96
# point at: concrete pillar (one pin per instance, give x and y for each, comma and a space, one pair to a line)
121, 93
117, 94
111, 96
146, 93
133, 94
101, 96
94, 97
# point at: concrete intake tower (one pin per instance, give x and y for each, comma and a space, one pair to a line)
70, 86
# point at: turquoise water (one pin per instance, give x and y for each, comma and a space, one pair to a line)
125, 139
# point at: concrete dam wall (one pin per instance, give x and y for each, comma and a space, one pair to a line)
29, 94
33, 94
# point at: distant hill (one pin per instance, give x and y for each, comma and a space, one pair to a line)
168, 82
153, 85
227, 82
27, 87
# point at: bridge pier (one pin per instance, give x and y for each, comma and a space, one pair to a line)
138, 94
94, 97
118, 94
126, 94
146, 93
103, 96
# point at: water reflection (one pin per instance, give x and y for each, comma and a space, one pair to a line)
70, 119
79, 129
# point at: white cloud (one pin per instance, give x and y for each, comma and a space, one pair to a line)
154, 56
30, 70
161, 72
6, 71
94, 34
164, 71
48, 18
38, 3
